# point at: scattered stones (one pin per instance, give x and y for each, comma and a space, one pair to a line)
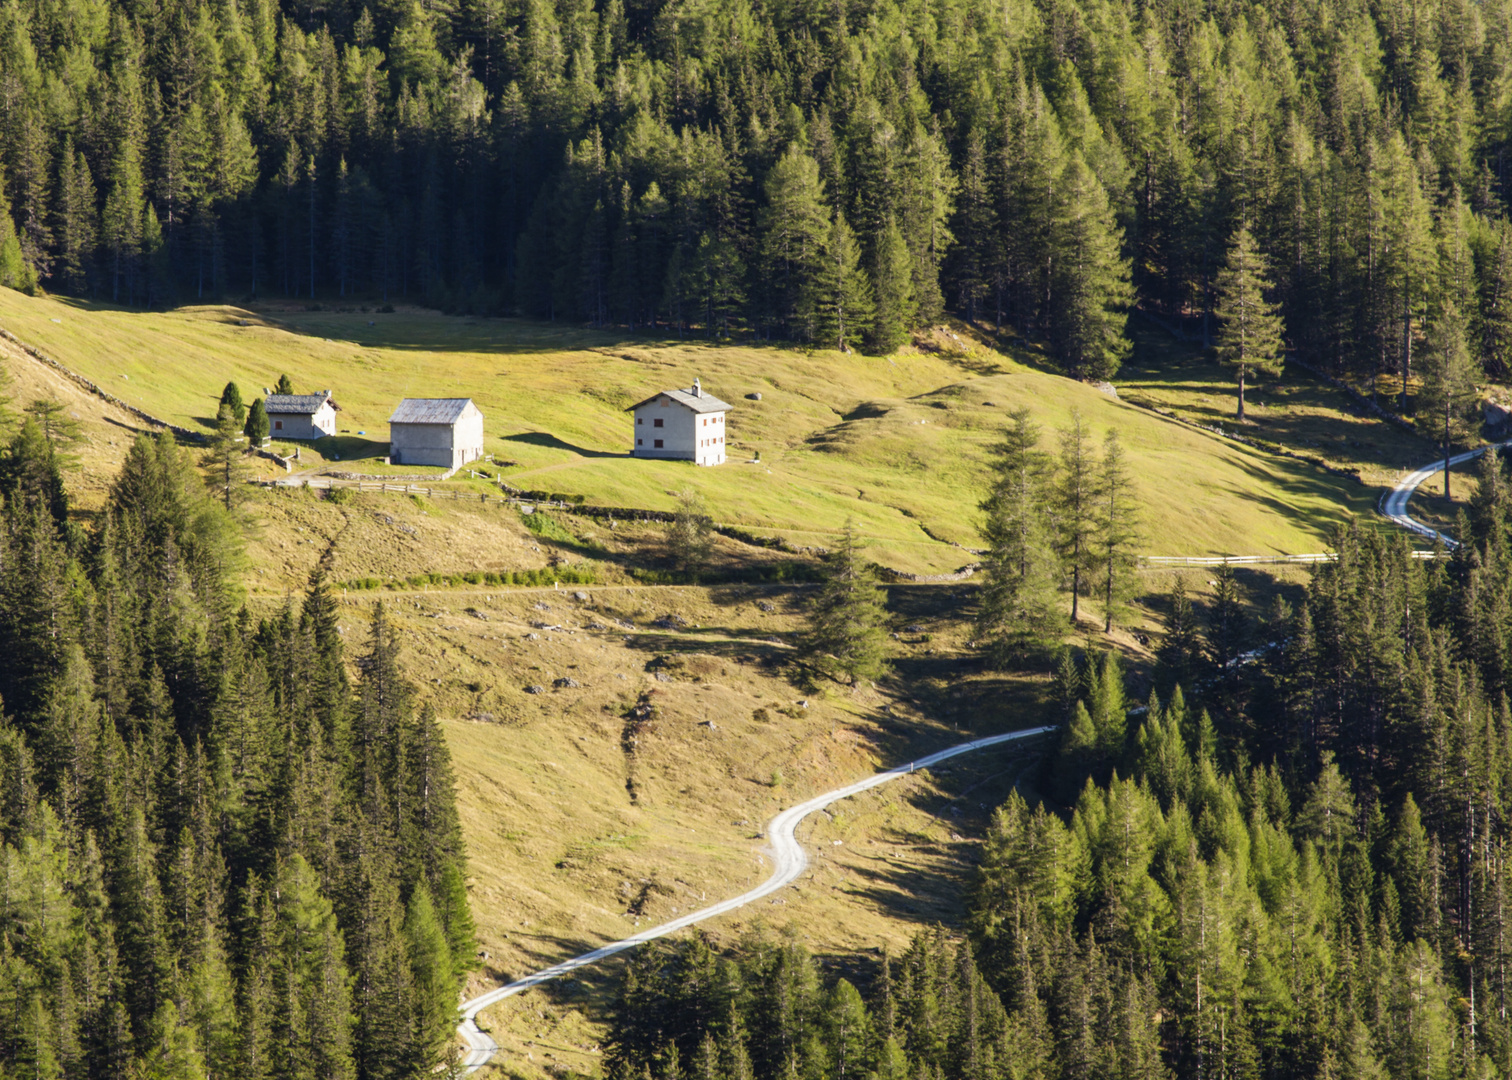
595, 626
754, 396
803, 704
477, 614
989, 404
580, 596
482, 717
540, 606
708, 724
913, 628
532, 637
566, 683
670, 622
661, 676
535, 689
766, 605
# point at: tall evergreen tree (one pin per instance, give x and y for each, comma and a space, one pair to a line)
847, 620
1448, 382
1018, 605
1249, 338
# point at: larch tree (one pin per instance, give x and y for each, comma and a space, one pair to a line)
690, 533
847, 622
1018, 611
224, 461
1448, 382
794, 229
1249, 335
1075, 502
1117, 528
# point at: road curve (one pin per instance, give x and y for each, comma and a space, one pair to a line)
1394, 502
790, 862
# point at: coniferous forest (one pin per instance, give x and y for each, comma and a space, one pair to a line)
836, 172
219, 857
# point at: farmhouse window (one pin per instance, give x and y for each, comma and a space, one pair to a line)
278, 425
638, 420
640, 442
658, 444
657, 422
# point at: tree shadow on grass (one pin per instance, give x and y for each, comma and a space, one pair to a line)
551, 442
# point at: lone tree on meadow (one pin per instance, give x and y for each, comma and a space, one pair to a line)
847, 622
1448, 381
1249, 337
690, 535
231, 396
1019, 609
257, 428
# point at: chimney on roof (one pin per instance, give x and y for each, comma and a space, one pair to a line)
697, 387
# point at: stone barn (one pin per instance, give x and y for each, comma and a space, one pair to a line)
436, 431
687, 425
300, 416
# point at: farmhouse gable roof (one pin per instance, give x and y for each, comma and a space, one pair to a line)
297, 404
694, 397
430, 410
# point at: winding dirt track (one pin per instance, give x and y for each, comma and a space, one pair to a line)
790, 859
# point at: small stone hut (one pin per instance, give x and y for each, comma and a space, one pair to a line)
436, 431
300, 416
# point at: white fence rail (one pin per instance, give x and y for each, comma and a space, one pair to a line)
1158, 561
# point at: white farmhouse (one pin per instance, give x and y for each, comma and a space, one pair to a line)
300, 416
436, 431
687, 425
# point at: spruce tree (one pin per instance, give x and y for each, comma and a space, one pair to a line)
1249, 338
1090, 290
1448, 375
847, 621
893, 280
844, 305
231, 396
285, 385
1181, 648
1018, 612
256, 428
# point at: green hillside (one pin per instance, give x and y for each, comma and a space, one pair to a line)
897, 443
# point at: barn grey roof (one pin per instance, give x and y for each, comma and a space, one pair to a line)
699, 403
301, 404
430, 410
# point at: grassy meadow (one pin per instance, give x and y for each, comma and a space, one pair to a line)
899, 444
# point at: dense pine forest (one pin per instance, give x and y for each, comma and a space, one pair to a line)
218, 856
1290, 861
834, 172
